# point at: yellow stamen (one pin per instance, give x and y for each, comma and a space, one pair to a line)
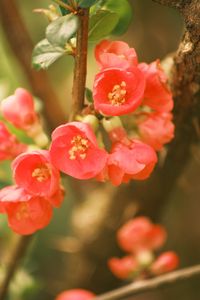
41, 174
79, 148
117, 96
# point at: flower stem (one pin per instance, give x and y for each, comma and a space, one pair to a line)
80, 69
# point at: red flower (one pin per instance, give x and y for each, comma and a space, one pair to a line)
26, 213
74, 151
156, 94
166, 262
140, 234
115, 54
123, 267
76, 294
19, 109
118, 91
10, 147
135, 160
156, 129
57, 198
35, 173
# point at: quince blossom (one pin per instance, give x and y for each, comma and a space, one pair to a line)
26, 213
117, 91
18, 109
140, 234
123, 267
166, 262
76, 294
74, 151
134, 160
115, 54
156, 129
36, 174
10, 147
157, 94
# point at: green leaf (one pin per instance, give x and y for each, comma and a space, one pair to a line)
61, 30
124, 11
63, 10
101, 24
44, 54
88, 94
86, 3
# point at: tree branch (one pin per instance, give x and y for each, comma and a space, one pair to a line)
144, 286
15, 257
80, 69
22, 46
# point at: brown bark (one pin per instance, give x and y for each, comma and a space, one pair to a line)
80, 69
22, 46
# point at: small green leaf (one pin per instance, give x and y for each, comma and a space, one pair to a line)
124, 11
88, 94
61, 30
101, 24
63, 10
86, 3
44, 54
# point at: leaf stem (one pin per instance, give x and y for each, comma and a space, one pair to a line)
80, 69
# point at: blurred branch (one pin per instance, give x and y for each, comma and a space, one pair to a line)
22, 46
16, 255
144, 286
80, 69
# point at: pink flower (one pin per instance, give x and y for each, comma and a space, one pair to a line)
115, 54
10, 147
140, 234
156, 95
118, 91
123, 267
19, 109
35, 173
74, 151
156, 129
57, 198
26, 213
76, 294
135, 160
166, 262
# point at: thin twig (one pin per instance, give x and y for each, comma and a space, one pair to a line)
80, 69
144, 286
15, 257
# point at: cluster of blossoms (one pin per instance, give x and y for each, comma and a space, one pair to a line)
140, 238
37, 189
123, 86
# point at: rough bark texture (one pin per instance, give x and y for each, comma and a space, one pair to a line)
149, 197
22, 46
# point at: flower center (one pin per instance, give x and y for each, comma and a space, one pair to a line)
79, 147
117, 96
22, 212
41, 174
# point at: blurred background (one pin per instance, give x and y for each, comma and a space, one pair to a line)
72, 251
